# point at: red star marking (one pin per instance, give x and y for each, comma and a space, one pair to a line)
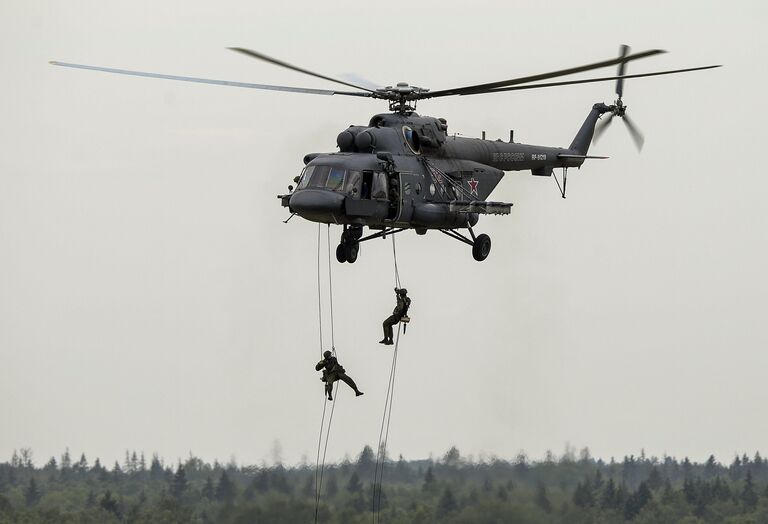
473, 185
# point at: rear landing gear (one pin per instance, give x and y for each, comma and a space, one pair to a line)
481, 244
482, 247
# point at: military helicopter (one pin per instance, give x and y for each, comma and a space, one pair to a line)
405, 171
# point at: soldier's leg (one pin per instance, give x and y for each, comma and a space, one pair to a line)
351, 383
388, 323
329, 389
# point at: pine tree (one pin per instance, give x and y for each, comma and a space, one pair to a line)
208, 490
452, 457
109, 504
32, 493
710, 467
583, 496
366, 461
429, 480
261, 481
542, 500
66, 461
156, 469
225, 490
644, 495
179, 485
51, 465
82, 464
654, 479
447, 503
332, 485
608, 498
354, 485
748, 495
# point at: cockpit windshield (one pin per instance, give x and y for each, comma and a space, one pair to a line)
333, 178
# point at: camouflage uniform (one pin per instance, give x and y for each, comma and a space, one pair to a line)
401, 310
333, 371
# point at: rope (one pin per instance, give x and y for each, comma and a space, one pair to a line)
317, 461
320, 466
386, 418
330, 290
394, 256
319, 301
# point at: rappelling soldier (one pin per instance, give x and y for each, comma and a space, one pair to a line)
333, 371
400, 313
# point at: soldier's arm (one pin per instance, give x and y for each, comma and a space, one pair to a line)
319, 365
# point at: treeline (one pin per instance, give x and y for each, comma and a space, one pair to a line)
568, 489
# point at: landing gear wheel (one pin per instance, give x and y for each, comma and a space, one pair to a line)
350, 252
482, 247
341, 256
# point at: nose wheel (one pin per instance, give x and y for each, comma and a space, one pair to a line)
349, 247
347, 252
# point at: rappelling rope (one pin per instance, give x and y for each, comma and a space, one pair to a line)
381, 451
330, 289
320, 466
381, 455
319, 293
394, 256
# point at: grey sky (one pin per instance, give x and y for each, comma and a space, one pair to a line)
151, 299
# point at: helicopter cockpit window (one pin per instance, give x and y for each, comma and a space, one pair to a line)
319, 176
335, 179
305, 176
354, 183
379, 187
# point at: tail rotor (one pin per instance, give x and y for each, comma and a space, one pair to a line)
619, 109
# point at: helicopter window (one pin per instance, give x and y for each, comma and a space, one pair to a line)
305, 176
335, 179
412, 139
354, 182
379, 189
319, 176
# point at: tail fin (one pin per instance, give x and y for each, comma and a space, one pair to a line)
583, 138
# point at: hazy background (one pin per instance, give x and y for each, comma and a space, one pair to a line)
151, 299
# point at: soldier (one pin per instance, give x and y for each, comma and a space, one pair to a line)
400, 311
332, 371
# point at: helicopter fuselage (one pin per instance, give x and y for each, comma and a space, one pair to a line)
404, 171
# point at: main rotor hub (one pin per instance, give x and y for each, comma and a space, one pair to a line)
402, 97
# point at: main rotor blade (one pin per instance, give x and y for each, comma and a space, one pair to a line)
275, 61
494, 86
601, 126
589, 80
637, 136
211, 81
623, 50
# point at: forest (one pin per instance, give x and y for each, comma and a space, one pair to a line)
572, 488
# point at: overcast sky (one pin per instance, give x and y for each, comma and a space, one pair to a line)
151, 298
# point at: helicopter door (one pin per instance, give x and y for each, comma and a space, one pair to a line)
394, 197
373, 197
367, 181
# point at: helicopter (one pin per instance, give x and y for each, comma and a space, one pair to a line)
405, 171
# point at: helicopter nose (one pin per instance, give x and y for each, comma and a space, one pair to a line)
316, 202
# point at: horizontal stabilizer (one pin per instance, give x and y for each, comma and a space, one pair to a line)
481, 207
565, 155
